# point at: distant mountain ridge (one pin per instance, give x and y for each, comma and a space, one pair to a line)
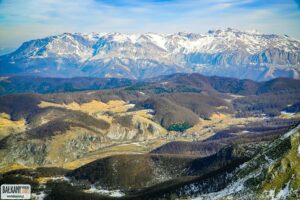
229, 52
189, 83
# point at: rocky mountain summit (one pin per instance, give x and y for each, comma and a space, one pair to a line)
227, 52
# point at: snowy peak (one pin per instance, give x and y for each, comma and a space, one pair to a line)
228, 52
214, 41
233, 32
64, 45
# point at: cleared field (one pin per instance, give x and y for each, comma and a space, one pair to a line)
8, 126
92, 107
217, 122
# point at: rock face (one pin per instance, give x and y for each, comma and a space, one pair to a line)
221, 52
66, 132
271, 174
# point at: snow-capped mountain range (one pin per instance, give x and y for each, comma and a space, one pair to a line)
227, 52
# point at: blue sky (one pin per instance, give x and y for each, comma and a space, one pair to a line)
22, 20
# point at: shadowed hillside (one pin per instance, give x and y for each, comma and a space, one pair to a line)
26, 84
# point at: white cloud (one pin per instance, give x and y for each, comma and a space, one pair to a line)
22, 20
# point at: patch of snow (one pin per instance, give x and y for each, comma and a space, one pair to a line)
242, 165
111, 193
282, 194
287, 113
134, 143
67, 179
90, 93
245, 131
238, 186
291, 132
221, 194
270, 161
264, 116
59, 178
229, 190
234, 187
271, 194
149, 111
40, 196
157, 39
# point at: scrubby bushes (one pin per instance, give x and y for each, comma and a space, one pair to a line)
180, 127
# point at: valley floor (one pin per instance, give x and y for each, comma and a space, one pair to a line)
182, 136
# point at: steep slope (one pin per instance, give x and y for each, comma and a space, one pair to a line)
272, 174
57, 134
221, 52
131, 172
